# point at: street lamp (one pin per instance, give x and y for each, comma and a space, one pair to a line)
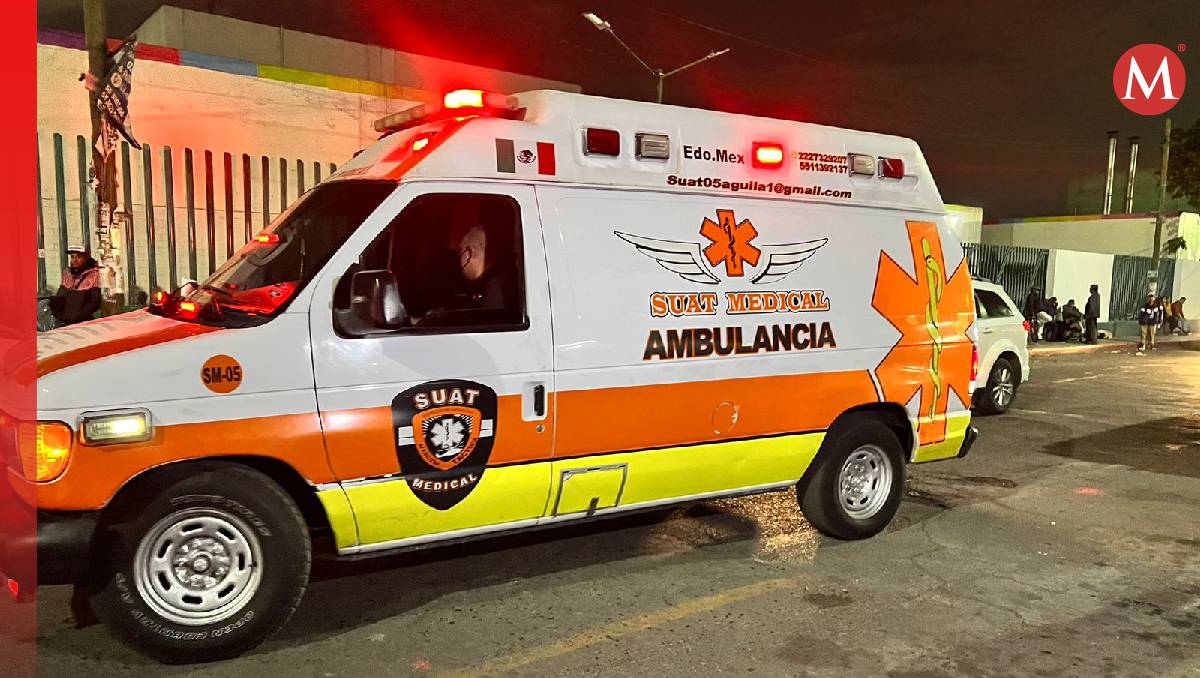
659, 73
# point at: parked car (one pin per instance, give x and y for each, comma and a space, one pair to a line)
1003, 349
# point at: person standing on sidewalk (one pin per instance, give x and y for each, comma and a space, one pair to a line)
1033, 306
1149, 318
1091, 314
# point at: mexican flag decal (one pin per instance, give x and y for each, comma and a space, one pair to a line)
524, 157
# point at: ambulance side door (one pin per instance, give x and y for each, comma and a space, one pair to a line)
435, 417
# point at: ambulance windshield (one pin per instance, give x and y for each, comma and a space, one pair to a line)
269, 270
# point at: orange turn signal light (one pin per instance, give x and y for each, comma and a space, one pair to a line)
45, 449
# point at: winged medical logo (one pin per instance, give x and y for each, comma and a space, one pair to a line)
731, 246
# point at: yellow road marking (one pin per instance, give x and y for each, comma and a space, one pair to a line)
620, 628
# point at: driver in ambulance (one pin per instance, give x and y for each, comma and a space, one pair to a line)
491, 281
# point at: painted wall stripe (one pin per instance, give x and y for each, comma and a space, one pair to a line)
293, 76
147, 52
217, 63
61, 39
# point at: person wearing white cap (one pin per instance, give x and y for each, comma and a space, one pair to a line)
78, 297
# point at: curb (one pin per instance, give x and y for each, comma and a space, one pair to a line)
1116, 345
1081, 348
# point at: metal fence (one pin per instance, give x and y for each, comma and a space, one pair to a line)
1016, 269
1129, 287
186, 210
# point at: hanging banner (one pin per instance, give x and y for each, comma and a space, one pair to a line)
113, 99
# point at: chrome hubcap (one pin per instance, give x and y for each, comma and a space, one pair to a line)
198, 566
865, 482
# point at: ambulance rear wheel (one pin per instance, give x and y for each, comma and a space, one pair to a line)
856, 489
207, 568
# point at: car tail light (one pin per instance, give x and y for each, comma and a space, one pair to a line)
766, 155
602, 142
974, 362
1028, 326
891, 168
267, 238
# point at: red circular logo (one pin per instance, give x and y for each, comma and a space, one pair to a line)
1149, 79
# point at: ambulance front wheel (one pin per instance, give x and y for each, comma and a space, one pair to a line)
207, 567
856, 489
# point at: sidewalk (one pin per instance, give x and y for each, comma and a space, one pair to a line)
1130, 345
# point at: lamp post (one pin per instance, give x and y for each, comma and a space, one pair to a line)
658, 73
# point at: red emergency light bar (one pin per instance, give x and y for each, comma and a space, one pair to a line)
188, 310
458, 103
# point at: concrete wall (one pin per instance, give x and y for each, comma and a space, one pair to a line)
1069, 275
257, 43
966, 222
1121, 234
1187, 284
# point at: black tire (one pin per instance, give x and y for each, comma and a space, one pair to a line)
819, 495
1001, 389
256, 512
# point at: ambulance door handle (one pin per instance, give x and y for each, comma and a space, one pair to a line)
539, 400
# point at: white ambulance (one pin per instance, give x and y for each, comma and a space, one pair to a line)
509, 312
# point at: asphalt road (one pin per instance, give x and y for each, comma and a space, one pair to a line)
1066, 544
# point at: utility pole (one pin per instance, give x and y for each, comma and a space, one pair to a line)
1152, 274
95, 35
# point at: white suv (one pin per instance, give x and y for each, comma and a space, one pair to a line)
1003, 353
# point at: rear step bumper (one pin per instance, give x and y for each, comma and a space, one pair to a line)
968, 440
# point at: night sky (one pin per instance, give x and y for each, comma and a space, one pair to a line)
1009, 100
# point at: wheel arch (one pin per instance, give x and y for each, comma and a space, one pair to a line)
1015, 361
892, 415
285, 475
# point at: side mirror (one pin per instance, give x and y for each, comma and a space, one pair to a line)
375, 305
162, 303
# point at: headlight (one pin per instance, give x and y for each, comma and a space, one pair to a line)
118, 426
45, 450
